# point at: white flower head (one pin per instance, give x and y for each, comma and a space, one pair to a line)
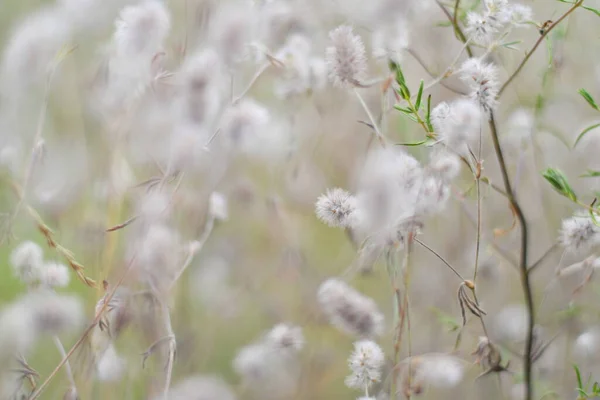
54, 275
579, 233
141, 29
520, 14
111, 366
346, 58
217, 206
457, 127
483, 82
336, 208
286, 337
365, 362
445, 164
349, 310
242, 122
479, 28
26, 261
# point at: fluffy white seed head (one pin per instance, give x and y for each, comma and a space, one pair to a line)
286, 337
482, 80
26, 261
336, 208
111, 366
141, 29
346, 58
241, 123
444, 164
54, 275
365, 362
441, 371
579, 233
457, 125
217, 206
349, 310
479, 28
201, 387
510, 324
520, 14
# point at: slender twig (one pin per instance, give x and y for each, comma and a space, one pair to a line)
457, 28
537, 44
122, 225
371, 118
522, 261
543, 257
418, 58
254, 79
171, 351
455, 14
440, 258
83, 337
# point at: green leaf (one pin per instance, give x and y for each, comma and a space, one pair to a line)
590, 174
428, 115
403, 109
588, 97
510, 45
597, 12
578, 374
419, 95
584, 132
414, 143
559, 182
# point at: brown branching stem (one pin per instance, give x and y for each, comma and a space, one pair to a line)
85, 334
537, 44
523, 265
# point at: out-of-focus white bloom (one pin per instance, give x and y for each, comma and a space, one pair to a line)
445, 164
210, 284
54, 275
433, 194
510, 324
217, 206
579, 233
520, 14
231, 32
587, 344
141, 29
154, 207
365, 362
32, 48
18, 331
286, 337
9, 159
201, 387
201, 87
483, 82
389, 41
457, 124
349, 310
55, 314
336, 208
242, 122
26, 261
442, 371
110, 367
346, 58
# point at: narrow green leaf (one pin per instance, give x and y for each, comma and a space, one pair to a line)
590, 174
560, 183
413, 144
405, 110
588, 97
584, 132
578, 374
597, 12
428, 115
419, 95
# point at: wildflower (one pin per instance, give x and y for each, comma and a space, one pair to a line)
286, 337
242, 122
520, 14
110, 367
217, 206
141, 29
457, 124
579, 233
587, 343
336, 208
201, 387
510, 324
346, 59
479, 28
483, 82
445, 164
54, 275
365, 362
349, 310
26, 261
